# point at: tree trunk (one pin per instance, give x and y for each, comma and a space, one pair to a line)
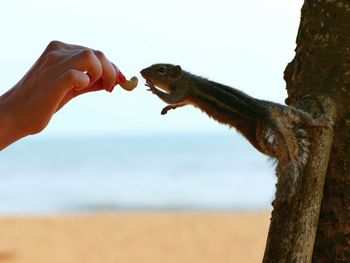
317, 79
294, 222
323, 63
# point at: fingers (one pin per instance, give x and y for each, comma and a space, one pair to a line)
71, 79
58, 45
109, 72
77, 70
117, 72
120, 76
61, 73
84, 61
64, 87
72, 93
95, 64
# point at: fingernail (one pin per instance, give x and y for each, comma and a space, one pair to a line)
111, 89
121, 77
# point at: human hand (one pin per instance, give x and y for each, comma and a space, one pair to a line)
61, 73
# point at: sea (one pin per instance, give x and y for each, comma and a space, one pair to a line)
125, 173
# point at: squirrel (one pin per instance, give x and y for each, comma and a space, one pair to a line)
273, 129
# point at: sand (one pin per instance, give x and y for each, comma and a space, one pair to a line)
134, 237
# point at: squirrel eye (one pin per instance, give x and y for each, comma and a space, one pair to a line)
162, 69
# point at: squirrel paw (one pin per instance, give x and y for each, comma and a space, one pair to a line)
167, 108
153, 90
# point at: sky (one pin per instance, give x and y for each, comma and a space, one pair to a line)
244, 44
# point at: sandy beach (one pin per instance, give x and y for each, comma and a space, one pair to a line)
134, 237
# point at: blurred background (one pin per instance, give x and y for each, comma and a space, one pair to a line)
115, 152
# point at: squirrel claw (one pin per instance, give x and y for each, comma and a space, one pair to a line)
149, 84
152, 89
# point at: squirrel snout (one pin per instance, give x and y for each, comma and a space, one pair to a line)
144, 73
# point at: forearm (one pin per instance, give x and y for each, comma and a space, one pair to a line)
9, 132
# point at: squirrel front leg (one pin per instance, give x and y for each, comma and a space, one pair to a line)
175, 99
170, 98
172, 107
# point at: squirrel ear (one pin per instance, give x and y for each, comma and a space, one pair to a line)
176, 71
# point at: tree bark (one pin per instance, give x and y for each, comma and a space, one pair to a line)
317, 79
294, 222
322, 64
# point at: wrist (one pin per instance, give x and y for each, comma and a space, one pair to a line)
9, 130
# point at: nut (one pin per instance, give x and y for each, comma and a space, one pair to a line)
129, 85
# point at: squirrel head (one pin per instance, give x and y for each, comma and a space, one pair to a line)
163, 76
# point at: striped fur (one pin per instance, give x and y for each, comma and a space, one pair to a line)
271, 128
275, 130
